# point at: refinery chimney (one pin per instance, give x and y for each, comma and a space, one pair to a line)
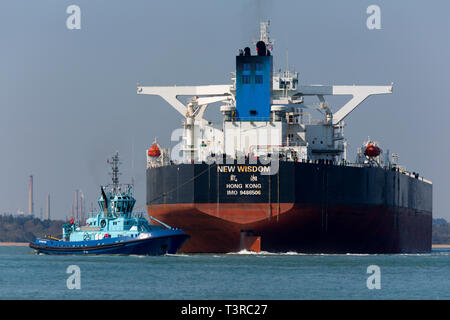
81, 205
48, 207
77, 216
30, 197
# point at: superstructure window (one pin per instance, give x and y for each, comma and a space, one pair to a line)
246, 66
258, 79
258, 67
285, 84
245, 79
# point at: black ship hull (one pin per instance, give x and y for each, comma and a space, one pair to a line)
303, 207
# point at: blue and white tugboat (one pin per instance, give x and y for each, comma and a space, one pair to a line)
115, 229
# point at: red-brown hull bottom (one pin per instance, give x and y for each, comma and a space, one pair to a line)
300, 228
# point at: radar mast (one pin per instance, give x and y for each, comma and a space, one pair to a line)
114, 162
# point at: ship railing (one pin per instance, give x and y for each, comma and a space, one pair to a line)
132, 215
137, 215
348, 164
318, 122
414, 175
257, 119
342, 163
425, 180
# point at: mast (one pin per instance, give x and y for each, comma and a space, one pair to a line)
114, 161
264, 34
119, 202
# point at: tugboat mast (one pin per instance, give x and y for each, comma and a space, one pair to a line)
115, 171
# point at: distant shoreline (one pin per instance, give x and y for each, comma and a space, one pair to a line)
440, 246
21, 244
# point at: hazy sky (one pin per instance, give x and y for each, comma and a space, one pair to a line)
68, 97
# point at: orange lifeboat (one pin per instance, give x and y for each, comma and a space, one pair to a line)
372, 150
154, 151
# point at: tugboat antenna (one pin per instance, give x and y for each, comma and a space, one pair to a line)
115, 170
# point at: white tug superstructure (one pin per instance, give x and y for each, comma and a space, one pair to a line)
289, 131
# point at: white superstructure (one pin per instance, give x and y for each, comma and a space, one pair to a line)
290, 131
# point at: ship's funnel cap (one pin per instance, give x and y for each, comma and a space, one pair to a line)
261, 48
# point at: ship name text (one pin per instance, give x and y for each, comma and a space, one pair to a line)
227, 169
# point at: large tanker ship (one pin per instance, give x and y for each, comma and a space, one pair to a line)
270, 178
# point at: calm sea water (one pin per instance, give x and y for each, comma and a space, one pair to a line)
25, 275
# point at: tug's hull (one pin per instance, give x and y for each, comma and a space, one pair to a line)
158, 245
304, 207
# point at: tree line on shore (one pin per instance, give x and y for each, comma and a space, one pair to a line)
26, 229
441, 231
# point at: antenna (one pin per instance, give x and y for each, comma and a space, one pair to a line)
287, 62
264, 34
114, 161
132, 161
